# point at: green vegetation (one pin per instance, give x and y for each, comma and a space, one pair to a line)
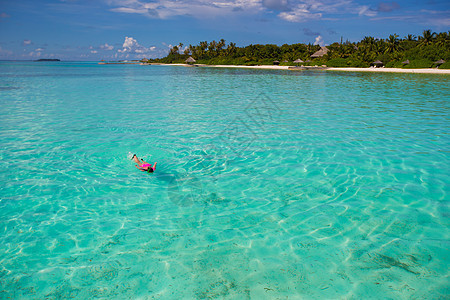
422, 52
419, 63
445, 65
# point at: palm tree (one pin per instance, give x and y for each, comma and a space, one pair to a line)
202, 48
368, 40
379, 47
365, 54
231, 49
192, 50
442, 39
410, 37
212, 48
220, 45
392, 44
180, 46
368, 44
174, 50
345, 50
311, 48
427, 38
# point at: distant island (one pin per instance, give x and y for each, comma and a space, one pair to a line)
430, 50
48, 59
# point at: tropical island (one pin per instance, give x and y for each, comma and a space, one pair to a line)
429, 50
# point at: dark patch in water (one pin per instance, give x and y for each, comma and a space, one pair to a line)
88, 128
8, 88
387, 262
216, 290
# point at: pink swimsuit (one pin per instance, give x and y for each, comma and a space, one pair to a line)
143, 166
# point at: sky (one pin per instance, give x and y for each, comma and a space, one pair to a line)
91, 30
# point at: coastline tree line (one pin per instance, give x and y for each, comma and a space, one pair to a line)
408, 52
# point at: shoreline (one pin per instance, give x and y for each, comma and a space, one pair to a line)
392, 70
307, 68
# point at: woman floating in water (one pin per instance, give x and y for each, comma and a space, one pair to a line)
143, 165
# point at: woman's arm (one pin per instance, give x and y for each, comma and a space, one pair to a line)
139, 168
154, 166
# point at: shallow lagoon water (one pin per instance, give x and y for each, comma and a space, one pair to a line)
270, 184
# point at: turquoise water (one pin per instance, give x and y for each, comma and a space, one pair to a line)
270, 184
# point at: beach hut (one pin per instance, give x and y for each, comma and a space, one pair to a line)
276, 62
144, 60
439, 62
285, 61
320, 53
190, 60
406, 62
298, 61
377, 63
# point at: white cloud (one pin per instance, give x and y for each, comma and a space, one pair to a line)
306, 10
288, 10
131, 45
106, 47
34, 54
331, 6
422, 18
39, 50
279, 5
94, 51
27, 42
130, 10
366, 11
164, 9
299, 14
319, 41
435, 11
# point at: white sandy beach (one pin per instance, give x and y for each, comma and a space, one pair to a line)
376, 70
265, 67
392, 70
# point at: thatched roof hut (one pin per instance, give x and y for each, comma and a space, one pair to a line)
320, 53
298, 61
276, 62
377, 63
439, 62
406, 62
190, 60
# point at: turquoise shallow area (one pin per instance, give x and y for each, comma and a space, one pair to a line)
270, 184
